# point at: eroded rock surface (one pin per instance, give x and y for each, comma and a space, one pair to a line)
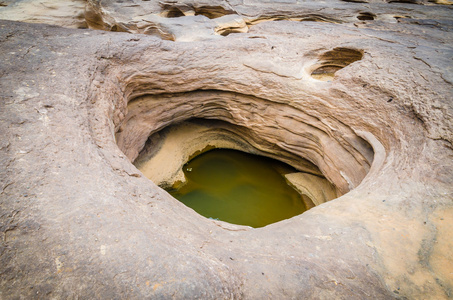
78, 105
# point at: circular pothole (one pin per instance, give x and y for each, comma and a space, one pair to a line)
366, 16
332, 61
160, 136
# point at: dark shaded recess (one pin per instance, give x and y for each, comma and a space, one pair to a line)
174, 12
398, 18
118, 28
84, 25
404, 1
7, 2
366, 16
213, 12
304, 18
318, 18
94, 20
326, 70
336, 59
228, 31
365, 149
355, 1
341, 57
279, 18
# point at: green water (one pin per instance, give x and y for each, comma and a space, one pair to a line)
239, 188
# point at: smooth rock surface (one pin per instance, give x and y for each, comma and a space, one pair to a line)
78, 220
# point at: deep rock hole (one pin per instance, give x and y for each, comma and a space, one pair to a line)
254, 179
240, 188
332, 61
213, 12
226, 184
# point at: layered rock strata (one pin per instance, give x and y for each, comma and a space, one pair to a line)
165, 153
78, 220
282, 130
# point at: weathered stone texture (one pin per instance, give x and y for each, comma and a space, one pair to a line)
78, 220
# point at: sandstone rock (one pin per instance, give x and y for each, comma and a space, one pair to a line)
78, 105
318, 190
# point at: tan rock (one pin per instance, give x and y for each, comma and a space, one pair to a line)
79, 220
319, 190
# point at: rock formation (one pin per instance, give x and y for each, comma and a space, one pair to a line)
356, 91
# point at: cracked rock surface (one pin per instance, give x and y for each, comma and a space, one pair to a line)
362, 90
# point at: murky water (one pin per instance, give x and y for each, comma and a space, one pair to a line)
325, 73
239, 188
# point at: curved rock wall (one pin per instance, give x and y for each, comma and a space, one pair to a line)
284, 131
166, 152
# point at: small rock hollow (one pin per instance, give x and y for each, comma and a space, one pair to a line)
174, 12
213, 12
332, 61
366, 16
404, 1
